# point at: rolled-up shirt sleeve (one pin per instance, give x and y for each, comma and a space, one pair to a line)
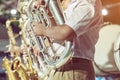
78, 16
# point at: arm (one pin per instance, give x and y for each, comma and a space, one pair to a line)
59, 32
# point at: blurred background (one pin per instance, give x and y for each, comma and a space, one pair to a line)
111, 14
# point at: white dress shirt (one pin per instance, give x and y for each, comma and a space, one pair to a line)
84, 17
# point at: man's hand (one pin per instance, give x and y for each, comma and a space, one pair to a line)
39, 29
13, 49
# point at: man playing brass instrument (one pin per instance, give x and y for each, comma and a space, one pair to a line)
83, 20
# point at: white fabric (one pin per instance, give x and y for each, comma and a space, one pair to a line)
84, 17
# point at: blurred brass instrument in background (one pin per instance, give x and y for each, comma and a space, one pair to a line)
15, 69
18, 67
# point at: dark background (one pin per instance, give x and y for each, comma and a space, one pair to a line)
113, 7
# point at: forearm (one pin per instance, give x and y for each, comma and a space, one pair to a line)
61, 32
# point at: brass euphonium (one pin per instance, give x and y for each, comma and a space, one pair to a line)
6, 64
12, 37
52, 54
14, 68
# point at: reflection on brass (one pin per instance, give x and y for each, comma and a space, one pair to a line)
27, 64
